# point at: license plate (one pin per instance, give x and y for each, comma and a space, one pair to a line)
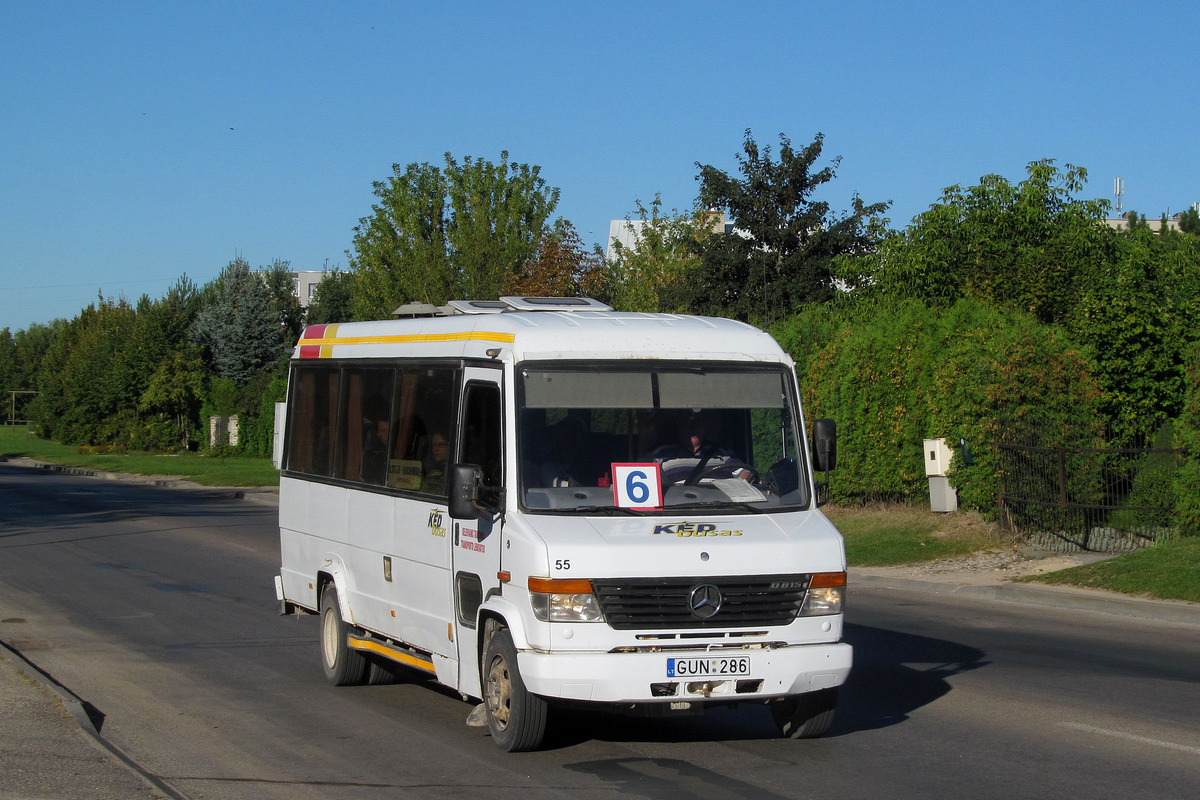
720, 667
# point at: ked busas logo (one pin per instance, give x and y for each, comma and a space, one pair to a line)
435, 523
686, 530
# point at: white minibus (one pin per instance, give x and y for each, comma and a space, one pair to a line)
541, 501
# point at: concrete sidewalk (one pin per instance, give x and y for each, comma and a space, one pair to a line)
50, 750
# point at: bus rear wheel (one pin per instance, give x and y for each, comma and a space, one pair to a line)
343, 665
516, 718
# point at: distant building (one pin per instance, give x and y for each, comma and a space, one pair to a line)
305, 285
1155, 224
1122, 224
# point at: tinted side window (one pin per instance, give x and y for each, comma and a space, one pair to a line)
366, 430
310, 420
423, 423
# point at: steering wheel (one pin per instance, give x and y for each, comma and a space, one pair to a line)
726, 469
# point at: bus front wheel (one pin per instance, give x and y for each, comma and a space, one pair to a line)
515, 717
805, 716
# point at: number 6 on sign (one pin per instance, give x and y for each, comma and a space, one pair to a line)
637, 485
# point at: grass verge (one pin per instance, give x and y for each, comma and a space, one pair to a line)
890, 535
1167, 571
17, 441
887, 535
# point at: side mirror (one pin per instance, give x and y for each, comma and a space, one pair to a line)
465, 480
824, 446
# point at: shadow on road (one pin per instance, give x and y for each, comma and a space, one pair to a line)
895, 674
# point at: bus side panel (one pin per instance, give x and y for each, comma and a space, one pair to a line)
312, 518
362, 531
367, 541
400, 566
421, 570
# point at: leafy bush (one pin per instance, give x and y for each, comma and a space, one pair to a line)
895, 372
1187, 437
997, 375
869, 378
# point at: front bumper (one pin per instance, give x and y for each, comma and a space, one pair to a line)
642, 677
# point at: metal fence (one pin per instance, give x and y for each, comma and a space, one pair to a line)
1076, 498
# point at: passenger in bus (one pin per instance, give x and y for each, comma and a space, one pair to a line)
375, 443
435, 463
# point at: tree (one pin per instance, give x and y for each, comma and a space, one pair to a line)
8, 366
498, 216
84, 379
785, 240
400, 252
281, 286
160, 329
1030, 247
333, 299
562, 267
896, 371
647, 276
1189, 221
1136, 312
239, 327
175, 391
439, 234
1187, 431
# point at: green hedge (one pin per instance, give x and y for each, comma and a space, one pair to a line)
893, 373
1187, 437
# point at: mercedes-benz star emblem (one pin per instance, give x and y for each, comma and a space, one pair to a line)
705, 600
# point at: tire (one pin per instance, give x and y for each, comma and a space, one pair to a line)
515, 717
343, 666
381, 671
805, 716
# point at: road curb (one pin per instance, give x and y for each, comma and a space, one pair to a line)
1045, 596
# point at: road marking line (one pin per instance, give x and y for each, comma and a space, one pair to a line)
1182, 748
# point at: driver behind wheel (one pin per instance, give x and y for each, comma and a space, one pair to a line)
691, 456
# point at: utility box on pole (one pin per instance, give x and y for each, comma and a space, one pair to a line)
942, 496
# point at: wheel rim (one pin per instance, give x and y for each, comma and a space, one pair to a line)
329, 638
499, 693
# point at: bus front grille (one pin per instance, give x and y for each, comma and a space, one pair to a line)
691, 603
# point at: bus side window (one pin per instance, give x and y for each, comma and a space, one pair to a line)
365, 428
423, 439
481, 441
311, 420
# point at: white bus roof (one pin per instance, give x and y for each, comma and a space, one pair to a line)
544, 335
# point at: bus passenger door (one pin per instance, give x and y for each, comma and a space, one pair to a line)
476, 543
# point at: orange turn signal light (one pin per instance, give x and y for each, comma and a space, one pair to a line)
827, 580
560, 585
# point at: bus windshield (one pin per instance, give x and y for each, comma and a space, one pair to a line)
715, 436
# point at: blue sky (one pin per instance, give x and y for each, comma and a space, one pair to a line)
142, 141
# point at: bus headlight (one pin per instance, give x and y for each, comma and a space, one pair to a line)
556, 600
826, 593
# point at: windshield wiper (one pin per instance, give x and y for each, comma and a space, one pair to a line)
734, 504
610, 510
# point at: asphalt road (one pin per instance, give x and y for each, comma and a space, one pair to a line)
156, 606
